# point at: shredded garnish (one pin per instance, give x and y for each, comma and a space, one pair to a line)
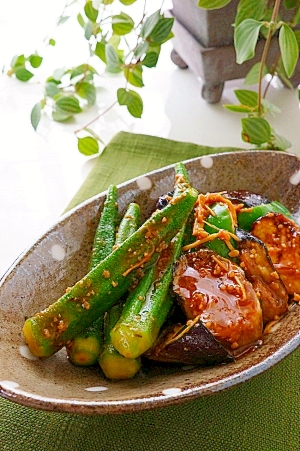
140, 263
244, 296
200, 242
202, 209
190, 323
220, 263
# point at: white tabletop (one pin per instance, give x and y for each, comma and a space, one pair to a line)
41, 171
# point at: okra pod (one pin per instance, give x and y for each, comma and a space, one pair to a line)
105, 235
129, 224
147, 308
85, 348
49, 330
113, 364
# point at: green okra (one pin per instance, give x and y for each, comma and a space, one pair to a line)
129, 224
105, 235
49, 330
85, 348
148, 306
113, 364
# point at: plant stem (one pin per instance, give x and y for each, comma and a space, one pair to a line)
266, 50
97, 117
272, 73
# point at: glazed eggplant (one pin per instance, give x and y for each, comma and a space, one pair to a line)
259, 269
216, 289
245, 197
163, 200
191, 343
281, 236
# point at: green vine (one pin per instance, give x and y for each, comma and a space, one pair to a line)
127, 46
257, 19
113, 38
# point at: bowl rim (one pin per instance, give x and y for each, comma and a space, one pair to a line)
149, 402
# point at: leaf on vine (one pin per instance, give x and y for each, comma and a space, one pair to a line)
289, 4
289, 49
112, 58
62, 20
59, 115
151, 56
122, 24
51, 89
141, 49
18, 60
150, 23
100, 50
252, 77
250, 9
90, 12
88, 30
52, 42
114, 40
213, 4
127, 2
134, 75
281, 143
86, 91
296, 18
256, 130
88, 145
35, 60
69, 104
297, 35
239, 108
58, 74
53, 80
162, 30
23, 74
85, 69
270, 107
245, 39
35, 115
283, 75
246, 97
132, 100
80, 20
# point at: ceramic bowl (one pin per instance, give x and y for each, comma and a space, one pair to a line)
60, 257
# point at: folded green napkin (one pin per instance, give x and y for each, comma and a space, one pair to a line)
129, 155
262, 414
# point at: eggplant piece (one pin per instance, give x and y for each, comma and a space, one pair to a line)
259, 269
281, 236
216, 289
246, 197
163, 200
191, 343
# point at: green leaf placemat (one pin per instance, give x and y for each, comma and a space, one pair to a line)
262, 414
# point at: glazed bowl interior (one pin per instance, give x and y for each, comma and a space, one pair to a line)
60, 258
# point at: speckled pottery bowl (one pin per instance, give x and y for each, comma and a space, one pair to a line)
60, 257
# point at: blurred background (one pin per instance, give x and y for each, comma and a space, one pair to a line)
40, 171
